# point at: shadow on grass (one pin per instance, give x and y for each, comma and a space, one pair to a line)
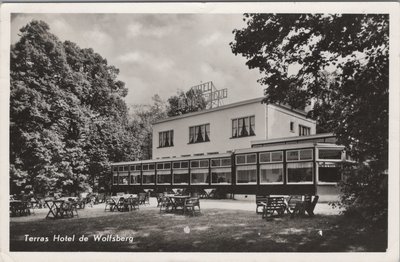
213, 231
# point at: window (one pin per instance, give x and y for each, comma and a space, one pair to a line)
115, 169
300, 172
199, 163
304, 131
244, 126
180, 172
135, 168
221, 175
246, 174
198, 134
299, 155
163, 177
328, 173
166, 138
115, 179
199, 176
221, 162
161, 166
135, 178
199, 173
181, 176
292, 126
148, 177
246, 159
271, 173
269, 157
330, 154
123, 179
148, 167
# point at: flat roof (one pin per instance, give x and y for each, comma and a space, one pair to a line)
292, 138
240, 103
171, 159
286, 147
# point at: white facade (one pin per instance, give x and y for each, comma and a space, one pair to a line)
270, 121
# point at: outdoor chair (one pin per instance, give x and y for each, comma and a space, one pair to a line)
192, 206
68, 209
142, 198
274, 204
159, 197
110, 204
310, 206
133, 203
123, 204
165, 204
259, 200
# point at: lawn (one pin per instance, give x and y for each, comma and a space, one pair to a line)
215, 230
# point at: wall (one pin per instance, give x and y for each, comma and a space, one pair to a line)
220, 131
279, 123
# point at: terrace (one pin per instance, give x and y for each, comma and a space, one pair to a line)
222, 226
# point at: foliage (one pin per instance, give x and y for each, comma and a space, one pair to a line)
68, 119
183, 103
364, 194
338, 64
144, 116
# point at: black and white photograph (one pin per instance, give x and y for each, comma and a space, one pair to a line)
165, 130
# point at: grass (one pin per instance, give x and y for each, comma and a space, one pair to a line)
215, 230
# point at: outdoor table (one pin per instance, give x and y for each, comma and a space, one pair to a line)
55, 210
177, 201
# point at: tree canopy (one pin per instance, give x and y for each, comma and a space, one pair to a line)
68, 119
338, 63
186, 102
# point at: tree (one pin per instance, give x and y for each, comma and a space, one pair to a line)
183, 103
143, 118
68, 119
293, 53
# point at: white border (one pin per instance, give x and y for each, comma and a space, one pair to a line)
391, 8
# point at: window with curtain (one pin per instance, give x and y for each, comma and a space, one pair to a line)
199, 176
148, 177
300, 172
135, 176
163, 177
166, 138
246, 174
304, 130
271, 173
221, 175
244, 126
123, 179
181, 176
200, 133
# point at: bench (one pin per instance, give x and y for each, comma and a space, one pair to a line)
274, 204
298, 206
259, 200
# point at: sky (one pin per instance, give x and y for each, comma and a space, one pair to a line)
159, 53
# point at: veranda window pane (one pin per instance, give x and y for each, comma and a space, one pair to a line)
292, 155
329, 173
246, 174
123, 179
251, 158
203, 163
215, 162
199, 176
226, 162
306, 154
300, 172
181, 176
164, 177
135, 178
329, 154
221, 175
265, 157
277, 156
240, 159
148, 177
272, 173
